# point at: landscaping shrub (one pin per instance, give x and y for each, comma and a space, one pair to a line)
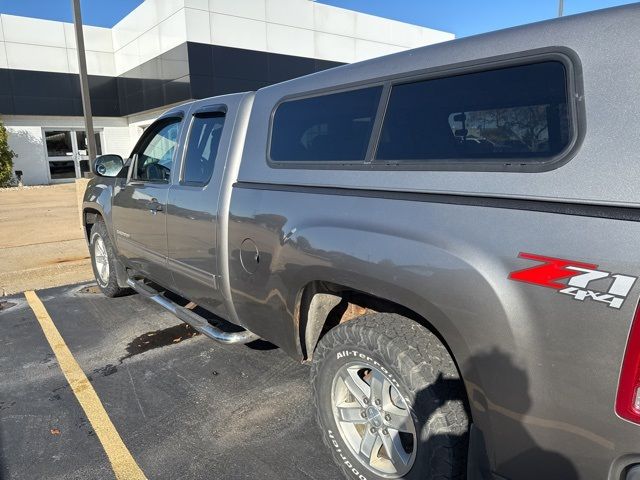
6, 158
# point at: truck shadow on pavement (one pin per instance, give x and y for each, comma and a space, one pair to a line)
179, 333
158, 339
502, 418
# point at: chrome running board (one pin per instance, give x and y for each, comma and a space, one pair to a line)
191, 318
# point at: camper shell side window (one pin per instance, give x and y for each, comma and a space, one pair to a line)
517, 114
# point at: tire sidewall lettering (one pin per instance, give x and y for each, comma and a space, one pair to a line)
355, 354
347, 463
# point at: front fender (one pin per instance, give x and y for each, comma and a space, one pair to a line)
98, 197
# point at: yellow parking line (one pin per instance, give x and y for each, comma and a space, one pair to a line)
123, 464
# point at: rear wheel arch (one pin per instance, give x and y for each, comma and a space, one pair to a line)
325, 305
337, 303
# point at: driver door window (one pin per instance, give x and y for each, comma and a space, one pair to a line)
156, 155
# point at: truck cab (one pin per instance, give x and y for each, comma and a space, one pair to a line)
165, 216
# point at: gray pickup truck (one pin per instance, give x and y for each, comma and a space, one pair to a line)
447, 235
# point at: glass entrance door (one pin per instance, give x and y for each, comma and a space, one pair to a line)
67, 153
83, 151
60, 155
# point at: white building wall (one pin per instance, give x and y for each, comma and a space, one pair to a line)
290, 27
28, 143
26, 138
117, 140
45, 45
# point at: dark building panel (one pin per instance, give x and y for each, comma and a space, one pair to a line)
6, 104
5, 82
35, 105
325, 65
239, 63
200, 59
188, 71
41, 84
239, 70
130, 84
286, 67
205, 86
104, 95
133, 103
177, 90
201, 86
153, 96
50, 93
155, 83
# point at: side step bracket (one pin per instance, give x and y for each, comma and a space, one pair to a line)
193, 319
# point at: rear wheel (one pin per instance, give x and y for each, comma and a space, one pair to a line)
103, 261
389, 400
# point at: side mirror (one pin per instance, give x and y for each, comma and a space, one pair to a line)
108, 165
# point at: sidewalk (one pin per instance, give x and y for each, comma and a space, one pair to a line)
41, 240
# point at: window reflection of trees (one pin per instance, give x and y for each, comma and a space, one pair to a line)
518, 129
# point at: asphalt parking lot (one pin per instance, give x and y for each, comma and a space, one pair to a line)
183, 405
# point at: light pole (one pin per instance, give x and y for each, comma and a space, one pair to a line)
560, 7
84, 83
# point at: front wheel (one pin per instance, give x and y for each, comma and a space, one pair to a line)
103, 261
389, 401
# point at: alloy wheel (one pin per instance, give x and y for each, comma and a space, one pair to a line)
374, 419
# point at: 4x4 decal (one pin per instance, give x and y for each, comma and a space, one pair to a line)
579, 274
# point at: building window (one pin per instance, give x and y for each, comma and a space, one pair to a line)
333, 127
83, 148
59, 143
60, 170
515, 114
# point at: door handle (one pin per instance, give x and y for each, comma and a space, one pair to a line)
154, 206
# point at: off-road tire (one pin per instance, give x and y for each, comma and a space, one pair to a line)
427, 377
110, 288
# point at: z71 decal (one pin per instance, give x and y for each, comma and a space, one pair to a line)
551, 271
